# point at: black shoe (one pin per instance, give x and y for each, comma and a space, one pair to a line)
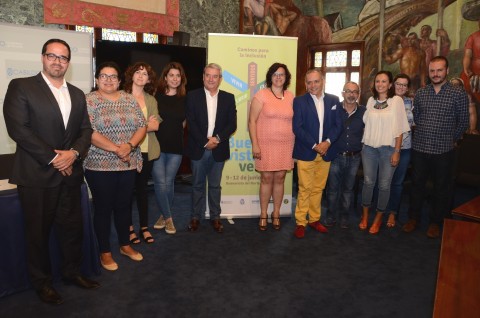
81, 281
49, 295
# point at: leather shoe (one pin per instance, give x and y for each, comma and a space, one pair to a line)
194, 224
217, 226
433, 231
49, 295
317, 226
81, 281
410, 226
299, 231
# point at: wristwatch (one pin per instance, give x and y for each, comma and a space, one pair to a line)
77, 154
132, 148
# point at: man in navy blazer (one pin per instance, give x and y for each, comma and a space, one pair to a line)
47, 118
211, 119
316, 126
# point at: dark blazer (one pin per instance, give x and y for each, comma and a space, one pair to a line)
306, 126
34, 121
197, 123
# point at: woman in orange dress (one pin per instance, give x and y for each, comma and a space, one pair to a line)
270, 127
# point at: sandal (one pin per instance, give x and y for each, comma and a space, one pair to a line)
275, 222
391, 220
147, 239
262, 225
133, 237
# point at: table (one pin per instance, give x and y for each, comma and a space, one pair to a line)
469, 210
13, 266
458, 282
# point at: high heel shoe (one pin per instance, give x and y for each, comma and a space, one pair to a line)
364, 221
377, 223
262, 224
391, 220
275, 222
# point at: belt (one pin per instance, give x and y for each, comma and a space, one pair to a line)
349, 153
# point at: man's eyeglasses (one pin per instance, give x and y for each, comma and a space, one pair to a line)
105, 77
350, 92
52, 57
401, 85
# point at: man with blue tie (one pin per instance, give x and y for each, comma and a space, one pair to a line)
316, 126
211, 119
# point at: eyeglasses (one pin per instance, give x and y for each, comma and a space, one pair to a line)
350, 92
105, 77
278, 74
401, 85
52, 57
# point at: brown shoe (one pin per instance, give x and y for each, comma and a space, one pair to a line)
433, 231
410, 226
217, 226
194, 224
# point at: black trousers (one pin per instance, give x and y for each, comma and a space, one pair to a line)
44, 209
141, 190
440, 169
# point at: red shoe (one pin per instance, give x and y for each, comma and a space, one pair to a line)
318, 227
299, 231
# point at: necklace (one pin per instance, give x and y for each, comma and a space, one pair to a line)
281, 98
380, 104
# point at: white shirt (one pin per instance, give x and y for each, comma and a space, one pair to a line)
320, 111
63, 98
212, 111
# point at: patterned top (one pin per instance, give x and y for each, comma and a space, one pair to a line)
407, 137
118, 121
440, 118
275, 131
384, 122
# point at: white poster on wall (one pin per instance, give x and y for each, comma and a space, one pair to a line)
20, 56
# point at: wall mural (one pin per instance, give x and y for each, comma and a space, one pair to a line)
414, 32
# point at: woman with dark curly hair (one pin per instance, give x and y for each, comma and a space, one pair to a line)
140, 80
270, 127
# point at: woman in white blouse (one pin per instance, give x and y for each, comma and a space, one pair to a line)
385, 122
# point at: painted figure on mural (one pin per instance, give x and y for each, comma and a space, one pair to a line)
429, 46
266, 17
471, 55
411, 59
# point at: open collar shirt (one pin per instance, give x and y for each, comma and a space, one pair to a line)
440, 118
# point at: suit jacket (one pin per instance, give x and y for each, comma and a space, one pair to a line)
306, 126
197, 122
34, 121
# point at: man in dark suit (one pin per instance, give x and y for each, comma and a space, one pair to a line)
47, 118
316, 126
211, 119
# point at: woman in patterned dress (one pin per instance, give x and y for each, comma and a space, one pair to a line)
113, 160
270, 127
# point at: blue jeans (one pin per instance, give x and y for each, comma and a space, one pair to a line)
163, 173
341, 180
206, 169
440, 168
377, 160
396, 186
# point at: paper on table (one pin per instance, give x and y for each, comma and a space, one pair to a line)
4, 185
